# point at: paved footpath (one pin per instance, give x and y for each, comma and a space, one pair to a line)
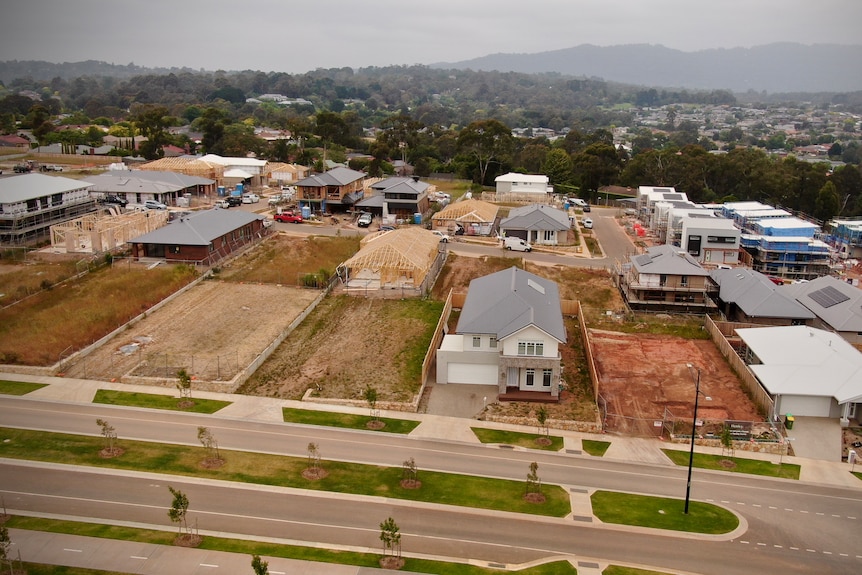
130, 557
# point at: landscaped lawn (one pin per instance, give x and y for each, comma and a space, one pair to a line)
19, 387
529, 440
346, 420
594, 447
157, 401
283, 471
619, 570
662, 513
735, 464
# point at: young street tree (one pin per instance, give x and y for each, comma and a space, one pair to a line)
391, 537
370, 396
5, 545
184, 384
534, 484
259, 566
110, 435
179, 509
210, 444
542, 418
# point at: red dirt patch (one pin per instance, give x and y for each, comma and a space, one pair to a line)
641, 375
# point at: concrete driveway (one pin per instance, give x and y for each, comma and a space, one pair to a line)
816, 438
460, 399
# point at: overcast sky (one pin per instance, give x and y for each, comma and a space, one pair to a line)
295, 37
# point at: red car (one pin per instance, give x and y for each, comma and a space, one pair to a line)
288, 218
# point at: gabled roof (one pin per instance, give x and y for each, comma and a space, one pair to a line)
756, 295
669, 260
408, 251
198, 228
400, 185
802, 360
837, 303
140, 181
233, 161
339, 176
525, 178
468, 211
15, 189
536, 217
505, 302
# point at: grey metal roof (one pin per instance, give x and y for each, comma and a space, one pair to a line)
198, 228
400, 185
339, 176
756, 295
15, 189
536, 217
843, 315
507, 301
667, 260
142, 181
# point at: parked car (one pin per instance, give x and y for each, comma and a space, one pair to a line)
234, 201
588, 224
443, 237
288, 217
364, 220
586, 208
387, 228
250, 198
222, 204
275, 199
110, 199
154, 205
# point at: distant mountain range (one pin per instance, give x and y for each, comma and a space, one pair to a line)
784, 67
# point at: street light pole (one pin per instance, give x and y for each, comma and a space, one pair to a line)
693, 431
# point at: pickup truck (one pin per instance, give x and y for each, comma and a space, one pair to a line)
288, 218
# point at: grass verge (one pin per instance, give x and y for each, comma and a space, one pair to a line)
264, 549
346, 420
735, 464
858, 474
264, 469
18, 387
156, 401
662, 513
528, 440
594, 447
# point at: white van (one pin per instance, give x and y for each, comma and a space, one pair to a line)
577, 202
517, 244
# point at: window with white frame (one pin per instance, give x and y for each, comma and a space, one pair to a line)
531, 377
531, 348
477, 341
546, 377
493, 341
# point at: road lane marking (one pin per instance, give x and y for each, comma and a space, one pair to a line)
811, 550
137, 557
795, 548
208, 565
779, 546
73, 550
773, 507
827, 552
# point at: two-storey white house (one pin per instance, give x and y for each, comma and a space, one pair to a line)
508, 335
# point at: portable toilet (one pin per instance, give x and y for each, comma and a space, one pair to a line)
221, 191
239, 188
417, 218
305, 211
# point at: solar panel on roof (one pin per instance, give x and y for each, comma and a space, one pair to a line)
672, 196
643, 259
828, 296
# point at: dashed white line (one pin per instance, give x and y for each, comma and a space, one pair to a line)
803, 511
843, 555
827, 552
833, 515
819, 513
755, 505
762, 544
744, 542
779, 546
786, 509
851, 517
740, 503
207, 565
73, 550
795, 548
136, 557
811, 550
773, 507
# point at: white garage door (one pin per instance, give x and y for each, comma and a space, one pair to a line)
805, 405
478, 373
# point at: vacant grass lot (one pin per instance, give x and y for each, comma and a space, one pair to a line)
156, 401
18, 387
59, 321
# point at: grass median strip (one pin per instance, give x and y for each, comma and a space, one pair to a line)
735, 464
283, 471
157, 401
528, 440
662, 513
18, 387
265, 550
347, 420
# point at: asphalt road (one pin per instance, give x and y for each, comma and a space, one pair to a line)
791, 527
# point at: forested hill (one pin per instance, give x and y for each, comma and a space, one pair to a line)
45, 71
783, 67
